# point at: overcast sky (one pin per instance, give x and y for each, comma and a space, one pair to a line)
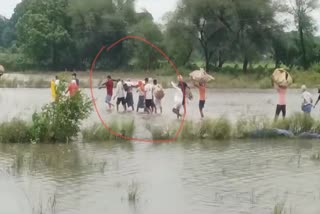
156, 7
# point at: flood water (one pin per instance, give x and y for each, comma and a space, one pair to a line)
172, 178
200, 177
231, 103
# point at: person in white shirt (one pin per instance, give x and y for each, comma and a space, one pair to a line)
148, 88
57, 81
307, 100
157, 88
120, 94
178, 98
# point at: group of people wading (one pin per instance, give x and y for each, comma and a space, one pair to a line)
150, 95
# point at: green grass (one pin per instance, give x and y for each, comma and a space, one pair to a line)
15, 131
98, 133
222, 129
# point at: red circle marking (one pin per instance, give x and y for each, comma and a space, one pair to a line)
94, 101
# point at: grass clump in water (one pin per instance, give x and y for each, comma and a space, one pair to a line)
244, 126
15, 131
133, 192
279, 208
315, 156
219, 129
297, 123
99, 133
188, 131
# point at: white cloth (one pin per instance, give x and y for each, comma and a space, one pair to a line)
148, 89
178, 96
120, 90
57, 82
307, 98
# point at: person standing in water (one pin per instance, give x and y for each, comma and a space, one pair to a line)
109, 87
307, 100
74, 76
141, 100
183, 87
72, 88
202, 96
129, 97
317, 99
157, 100
148, 95
120, 94
281, 106
178, 98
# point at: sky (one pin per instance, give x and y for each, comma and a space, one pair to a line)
158, 8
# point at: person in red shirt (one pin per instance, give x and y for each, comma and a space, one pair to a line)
202, 96
109, 87
73, 88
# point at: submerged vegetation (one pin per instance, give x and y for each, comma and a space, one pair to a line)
133, 192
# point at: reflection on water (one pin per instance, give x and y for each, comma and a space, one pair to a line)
202, 177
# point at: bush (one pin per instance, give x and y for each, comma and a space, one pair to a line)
60, 121
16, 131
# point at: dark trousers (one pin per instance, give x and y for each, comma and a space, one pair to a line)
279, 109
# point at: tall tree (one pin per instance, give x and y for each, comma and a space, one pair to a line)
98, 24
301, 10
42, 32
179, 39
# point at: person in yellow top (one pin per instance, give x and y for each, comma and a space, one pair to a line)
54, 85
202, 96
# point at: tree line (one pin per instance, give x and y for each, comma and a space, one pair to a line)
67, 34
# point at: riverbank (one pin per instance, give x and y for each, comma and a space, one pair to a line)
222, 80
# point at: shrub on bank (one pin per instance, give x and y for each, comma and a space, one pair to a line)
57, 122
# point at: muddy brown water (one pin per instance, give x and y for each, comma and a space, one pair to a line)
185, 177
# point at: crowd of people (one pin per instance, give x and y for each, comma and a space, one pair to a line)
150, 95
